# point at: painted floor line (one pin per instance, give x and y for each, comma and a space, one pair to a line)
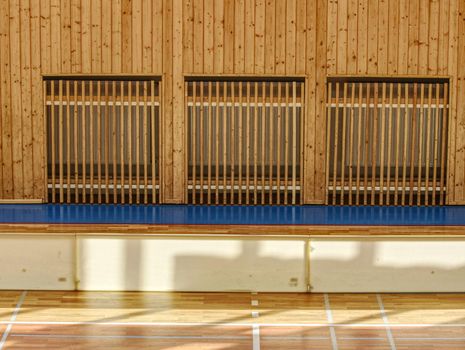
329, 315
386, 321
256, 337
218, 324
12, 319
74, 336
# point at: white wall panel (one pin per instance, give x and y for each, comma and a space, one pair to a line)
387, 265
28, 262
116, 263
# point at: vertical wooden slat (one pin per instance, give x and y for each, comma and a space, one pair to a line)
201, 142
294, 141
225, 131
336, 144
445, 114
240, 150
286, 145
232, 140
194, 141
263, 140
389, 144
397, 143
217, 142
99, 142
405, 131
420, 145
91, 140
84, 140
130, 141
123, 118
271, 144
52, 138
413, 143
106, 132
113, 137
351, 140
359, 141
154, 138
436, 146
428, 142
381, 145
278, 146
137, 126
374, 144
145, 143
343, 141
60, 137
255, 144
367, 143
209, 146
247, 135
68, 143
76, 149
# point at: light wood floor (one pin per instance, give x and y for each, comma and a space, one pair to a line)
230, 321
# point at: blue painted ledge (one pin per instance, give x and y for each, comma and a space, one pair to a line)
231, 215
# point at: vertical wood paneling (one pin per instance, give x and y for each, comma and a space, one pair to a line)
260, 30
116, 36
26, 93
65, 31
270, 34
157, 46
75, 35
16, 100
228, 38
136, 36
5, 134
107, 36
208, 40
250, 36
256, 37
240, 25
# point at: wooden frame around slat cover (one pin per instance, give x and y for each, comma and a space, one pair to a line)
257, 137
102, 119
405, 137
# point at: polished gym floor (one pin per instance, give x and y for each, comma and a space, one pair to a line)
126, 320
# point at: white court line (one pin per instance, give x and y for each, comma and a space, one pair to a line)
329, 315
256, 337
219, 324
74, 336
255, 326
386, 321
212, 337
429, 338
12, 319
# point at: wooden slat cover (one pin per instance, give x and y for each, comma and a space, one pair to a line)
103, 141
401, 140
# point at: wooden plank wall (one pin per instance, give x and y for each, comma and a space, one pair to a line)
174, 38
409, 38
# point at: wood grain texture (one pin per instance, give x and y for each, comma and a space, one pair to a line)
232, 230
224, 320
251, 37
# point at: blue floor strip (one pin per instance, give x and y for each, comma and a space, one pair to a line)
231, 215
